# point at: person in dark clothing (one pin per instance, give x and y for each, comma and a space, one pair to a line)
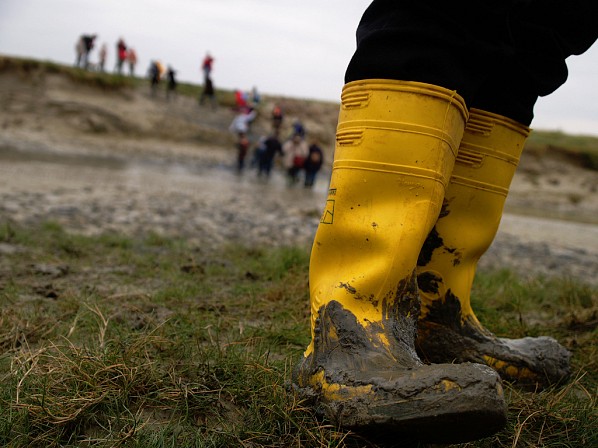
269, 149
435, 112
209, 93
88, 44
154, 76
298, 129
170, 82
313, 163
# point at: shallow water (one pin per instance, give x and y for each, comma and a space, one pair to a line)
51, 170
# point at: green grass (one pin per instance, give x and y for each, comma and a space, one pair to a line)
582, 149
150, 342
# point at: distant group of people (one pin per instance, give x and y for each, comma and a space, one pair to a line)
297, 155
124, 55
158, 72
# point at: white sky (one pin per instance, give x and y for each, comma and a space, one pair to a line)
293, 48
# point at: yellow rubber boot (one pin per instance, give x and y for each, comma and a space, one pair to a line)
448, 328
396, 145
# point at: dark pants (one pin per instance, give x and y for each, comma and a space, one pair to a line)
265, 165
499, 55
310, 177
293, 173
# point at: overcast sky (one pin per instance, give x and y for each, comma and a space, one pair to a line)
294, 48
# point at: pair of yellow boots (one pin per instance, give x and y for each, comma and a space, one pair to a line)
416, 196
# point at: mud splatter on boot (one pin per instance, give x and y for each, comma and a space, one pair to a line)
447, 335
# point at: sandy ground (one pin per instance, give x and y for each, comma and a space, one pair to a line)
96, 162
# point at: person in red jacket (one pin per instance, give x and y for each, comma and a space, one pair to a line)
121, 55
206, 66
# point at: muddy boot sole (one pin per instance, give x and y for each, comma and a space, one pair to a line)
433, 404
358, 383
531, 363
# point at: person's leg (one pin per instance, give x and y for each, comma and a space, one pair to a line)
309, 178
361, 363
534, 65
449, 44
487, 160
396, 145
240, 160
448, 328
86, 60
542, 35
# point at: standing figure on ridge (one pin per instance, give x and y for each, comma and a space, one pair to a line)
206, 66
132, 60
121, 55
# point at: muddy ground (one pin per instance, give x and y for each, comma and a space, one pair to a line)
96, 160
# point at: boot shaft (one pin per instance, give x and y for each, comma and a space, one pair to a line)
489, 152
488, 157
396, 144
448, 328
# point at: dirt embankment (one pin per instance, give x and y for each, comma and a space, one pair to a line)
64, 102
100, 157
